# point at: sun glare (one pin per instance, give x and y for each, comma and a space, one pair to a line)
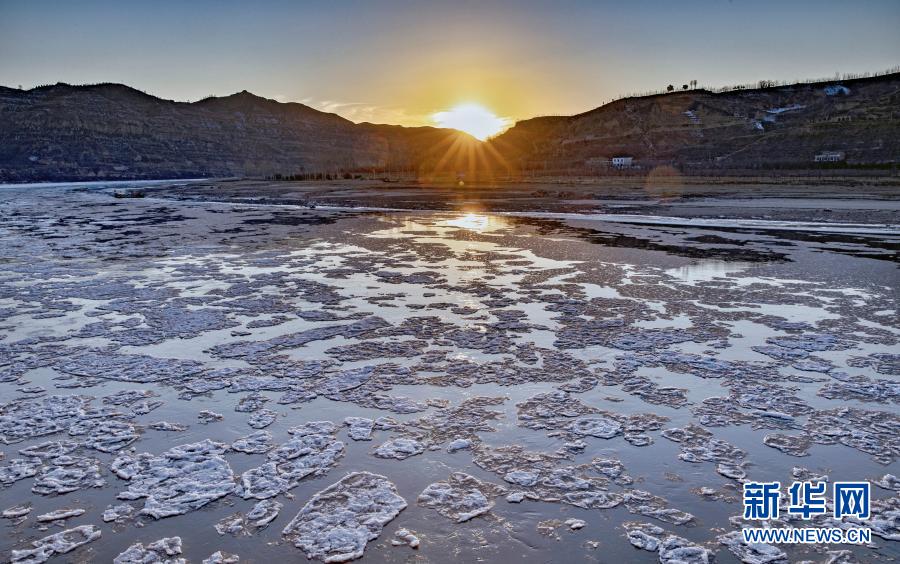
472, 221
474, 119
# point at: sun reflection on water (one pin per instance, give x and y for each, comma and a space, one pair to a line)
476, 222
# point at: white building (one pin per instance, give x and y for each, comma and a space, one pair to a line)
623, 162
830, 157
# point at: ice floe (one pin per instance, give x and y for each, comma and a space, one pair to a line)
337, 523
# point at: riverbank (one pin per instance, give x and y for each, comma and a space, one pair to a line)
838, 202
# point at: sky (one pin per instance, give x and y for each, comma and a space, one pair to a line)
404, 61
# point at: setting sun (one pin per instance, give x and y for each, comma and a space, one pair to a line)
474, 119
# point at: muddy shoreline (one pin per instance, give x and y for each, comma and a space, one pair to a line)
827, 202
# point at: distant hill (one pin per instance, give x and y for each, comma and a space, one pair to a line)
106, 131
775, 127
111, 131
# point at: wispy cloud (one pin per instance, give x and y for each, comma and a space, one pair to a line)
365, 111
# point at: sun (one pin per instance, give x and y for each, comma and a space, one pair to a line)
474, 119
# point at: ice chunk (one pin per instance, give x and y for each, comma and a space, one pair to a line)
257, 518
59, 514
255, 443
207, 416
23, 419
262, 419
16, 511
182, 479
18, 469
678, 550
601, 427
459, 444
59, 543
312, 450
158, 552
118, 513
360, 428
521, 478
337, 523
399, 448
644, 535
461, 497
752, 553
220, 557
68, 474
407, 537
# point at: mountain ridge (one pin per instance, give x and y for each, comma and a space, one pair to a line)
771, 127
110, 130
114, 131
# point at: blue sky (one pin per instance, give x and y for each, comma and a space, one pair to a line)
399, 62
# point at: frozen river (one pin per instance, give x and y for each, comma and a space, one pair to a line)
271, 383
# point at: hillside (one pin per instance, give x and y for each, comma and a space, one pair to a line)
777, 127
105, 131
111, 131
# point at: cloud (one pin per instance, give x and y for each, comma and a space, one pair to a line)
364, 111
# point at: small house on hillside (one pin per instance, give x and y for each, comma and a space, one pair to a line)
623, 162
830, 157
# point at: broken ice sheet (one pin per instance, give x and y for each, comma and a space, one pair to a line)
671, 549
182, 479
795, 445
400, 449
461, 497
118, 513
57, 543
239, 524
549, 477
220, 557
58, 514
256, 443
566, 416
27, 418
105, 435
360, 428
752, 552
326, 323
128, 367
161, 551
67, 474
18, 469
337, 523
206, 416
644, 503
311, 450
869, 431
699, 445
262, 418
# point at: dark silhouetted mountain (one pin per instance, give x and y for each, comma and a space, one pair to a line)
108, 131
104, 131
